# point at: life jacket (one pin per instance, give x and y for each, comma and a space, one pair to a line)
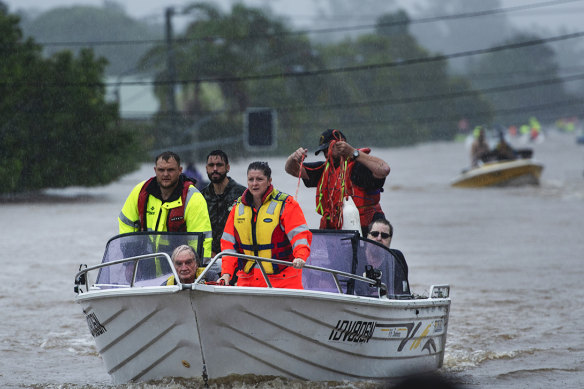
176, 216
334, 185
367, 202
260, 233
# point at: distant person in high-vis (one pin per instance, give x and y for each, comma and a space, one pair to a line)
267, 223
168, 201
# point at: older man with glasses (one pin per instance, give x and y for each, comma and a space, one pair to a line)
381, 231
184, 259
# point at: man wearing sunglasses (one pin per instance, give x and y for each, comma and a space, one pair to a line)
381, 231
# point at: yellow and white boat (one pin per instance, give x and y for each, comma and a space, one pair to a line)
501, 173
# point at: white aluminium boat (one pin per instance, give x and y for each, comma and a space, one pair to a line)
342, 326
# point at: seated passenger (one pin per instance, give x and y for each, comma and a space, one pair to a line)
480, 149
184, 260
503, 151
380, 231
386, 264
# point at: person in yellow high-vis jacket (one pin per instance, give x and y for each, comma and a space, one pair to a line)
169, 201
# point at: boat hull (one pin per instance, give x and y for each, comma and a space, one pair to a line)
507, 173
317, 336
144, 334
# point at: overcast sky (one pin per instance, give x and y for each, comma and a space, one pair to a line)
569, 14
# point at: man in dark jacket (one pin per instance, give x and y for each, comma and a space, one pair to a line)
220, 194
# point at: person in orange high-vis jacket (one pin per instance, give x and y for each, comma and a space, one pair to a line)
267, 223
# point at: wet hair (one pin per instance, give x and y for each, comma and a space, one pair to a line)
166, 156
263, 166
182, 248
219, 153
381, 221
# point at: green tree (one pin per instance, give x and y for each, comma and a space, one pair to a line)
241, 51
218, 45
523, 65
394, 104
90, 26
56, 129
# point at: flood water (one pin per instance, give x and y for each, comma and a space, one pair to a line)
513, 257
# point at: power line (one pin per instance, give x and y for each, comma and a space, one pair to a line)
575, 102
324, 30
414, 100
478, 115
441, 96
320, 72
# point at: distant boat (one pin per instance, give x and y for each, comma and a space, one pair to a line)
501, 173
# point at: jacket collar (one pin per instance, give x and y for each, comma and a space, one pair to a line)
154, 189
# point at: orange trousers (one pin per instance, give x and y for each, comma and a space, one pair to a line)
289, 278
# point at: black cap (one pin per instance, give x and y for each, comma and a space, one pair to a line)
326, 137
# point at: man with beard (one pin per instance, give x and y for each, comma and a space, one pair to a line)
168, 201
221, 194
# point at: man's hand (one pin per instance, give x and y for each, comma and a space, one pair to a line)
294, 162
299, 154
298, 263
344, 149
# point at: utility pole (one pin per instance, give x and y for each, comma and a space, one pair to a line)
171, 70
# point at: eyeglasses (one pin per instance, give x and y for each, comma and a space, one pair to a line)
375, 234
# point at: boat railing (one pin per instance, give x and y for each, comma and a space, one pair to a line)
335, 274
82, 279
82, 284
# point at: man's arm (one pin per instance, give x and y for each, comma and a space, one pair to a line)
228, 264
129, 217
197, 219
378, 167
293, 163
296, 228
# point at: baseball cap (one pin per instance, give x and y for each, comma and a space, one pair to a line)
326, 137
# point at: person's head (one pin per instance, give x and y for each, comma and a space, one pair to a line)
326, 138
381, 231
184, 259
167, 168
259, 178
217, 166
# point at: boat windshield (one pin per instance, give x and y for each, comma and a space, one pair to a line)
152, 271
346, 251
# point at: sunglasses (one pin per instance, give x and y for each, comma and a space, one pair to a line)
375, 234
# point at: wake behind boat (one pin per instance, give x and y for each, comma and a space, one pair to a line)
501, 173
342, 326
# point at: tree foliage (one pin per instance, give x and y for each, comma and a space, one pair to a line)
243, 52
522, 66
56, 129
87, 24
